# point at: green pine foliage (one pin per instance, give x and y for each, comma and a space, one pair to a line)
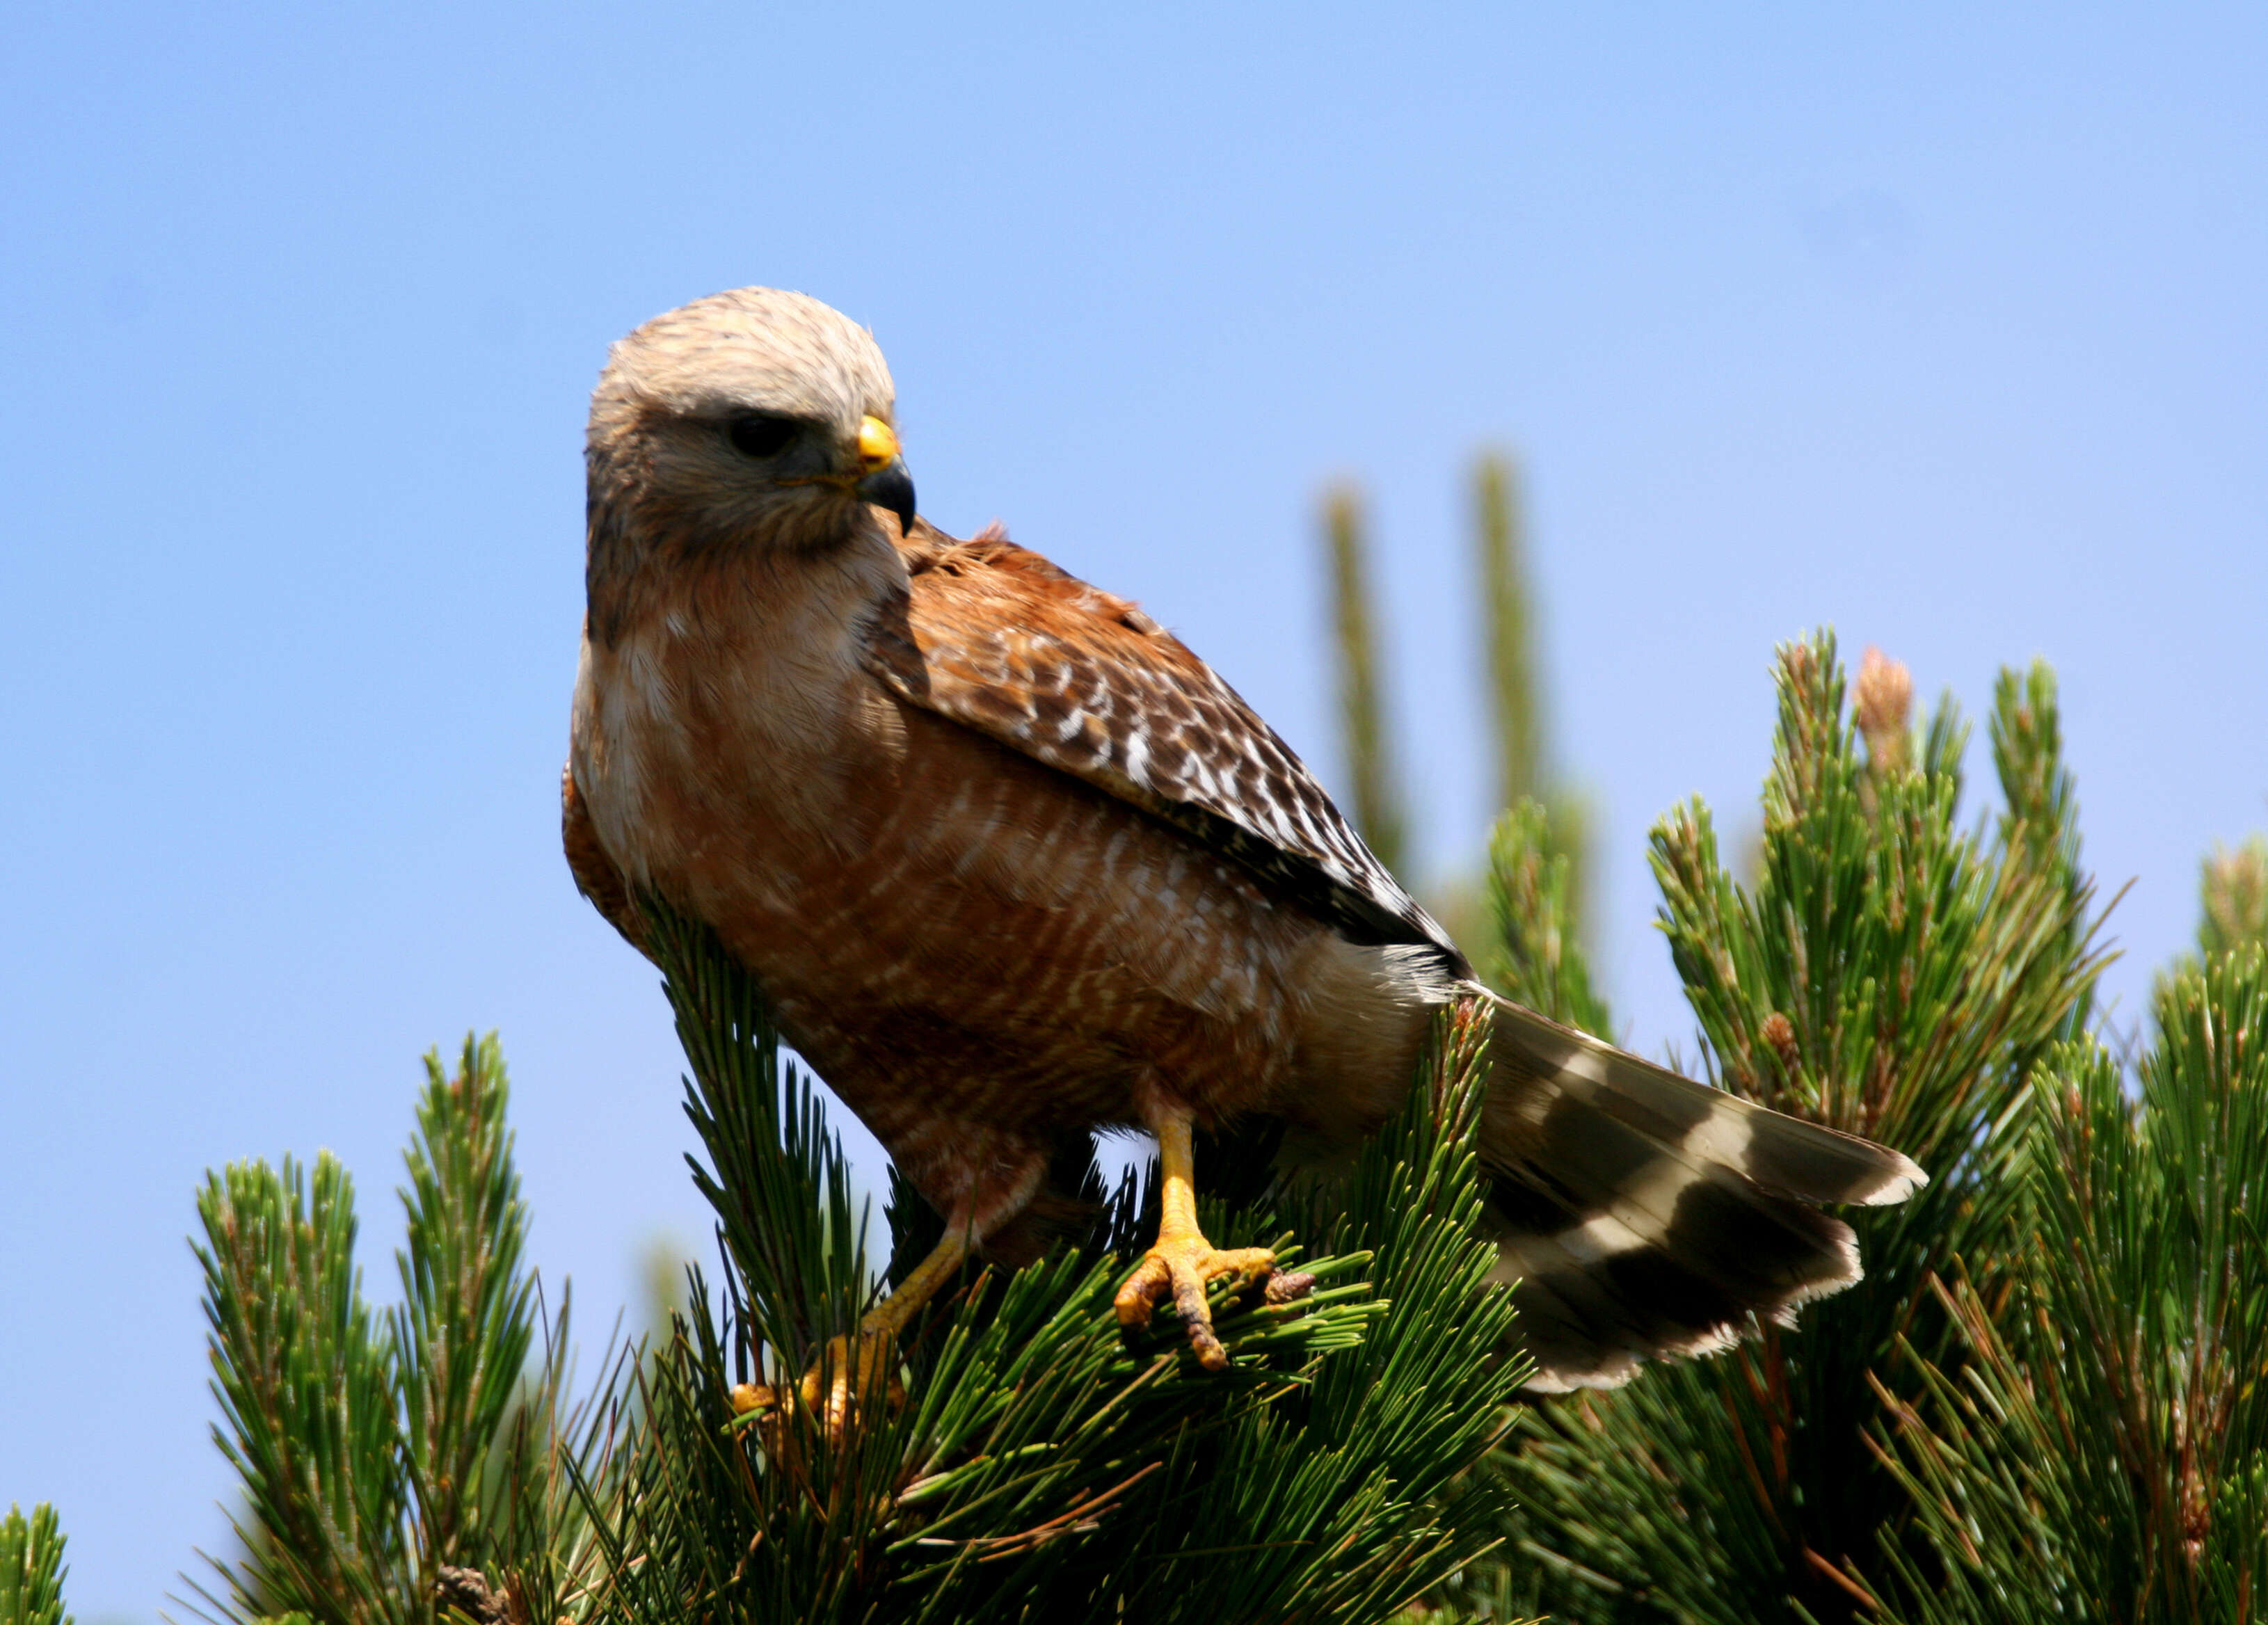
424, 1463
1891, 974
31, 1567
2232, 898
1515, 700
2094, 1444
389, 1458
2042, 1402
1037, 1466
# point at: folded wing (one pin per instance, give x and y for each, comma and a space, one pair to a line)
1000, 640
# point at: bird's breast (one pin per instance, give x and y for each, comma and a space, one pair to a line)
721, 766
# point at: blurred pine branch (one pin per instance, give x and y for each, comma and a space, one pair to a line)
1536, 956
1375, 787
2232, 911
1515, 699
1555, 822
31, 1567
1515, 709
1516, 704
2234, 891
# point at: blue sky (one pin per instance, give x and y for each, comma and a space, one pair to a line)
1942, 327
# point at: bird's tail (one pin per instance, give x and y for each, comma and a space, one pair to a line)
1643, 1214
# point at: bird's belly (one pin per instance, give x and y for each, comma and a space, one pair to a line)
962, 940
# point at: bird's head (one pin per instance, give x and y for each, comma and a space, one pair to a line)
757, 416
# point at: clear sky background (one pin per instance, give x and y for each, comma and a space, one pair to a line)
1949, 329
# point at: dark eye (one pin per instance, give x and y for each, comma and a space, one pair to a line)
760, 434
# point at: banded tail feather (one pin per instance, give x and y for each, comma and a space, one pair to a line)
1644, 1215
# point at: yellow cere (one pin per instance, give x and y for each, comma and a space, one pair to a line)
878, 442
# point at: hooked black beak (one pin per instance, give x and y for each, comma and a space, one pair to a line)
891, 487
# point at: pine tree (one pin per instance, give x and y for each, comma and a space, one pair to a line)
1889, 974
2094, 1444
2044, 1401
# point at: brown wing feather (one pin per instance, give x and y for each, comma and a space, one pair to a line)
998, 639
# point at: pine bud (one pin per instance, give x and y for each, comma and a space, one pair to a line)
1882, 701
1780, 1033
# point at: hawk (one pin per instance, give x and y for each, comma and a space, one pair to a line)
1013, 865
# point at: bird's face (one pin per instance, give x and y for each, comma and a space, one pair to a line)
757, 416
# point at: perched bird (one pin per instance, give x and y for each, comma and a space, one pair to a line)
1013, 865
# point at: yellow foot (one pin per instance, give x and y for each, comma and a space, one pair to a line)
844, 1383
1179, 1268
856, 1371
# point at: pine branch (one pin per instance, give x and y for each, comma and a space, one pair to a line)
2041, 818
306, 1386
1516, 705
462, 1333
1537, 959
2105, 1452
2235, 898
427, 1466
394, 1467
1375, 785
31, 1567
1517, 711
1513, 695
493, 1444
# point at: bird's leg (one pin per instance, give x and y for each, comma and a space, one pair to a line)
1182, 1263
875, 1362
849, 1369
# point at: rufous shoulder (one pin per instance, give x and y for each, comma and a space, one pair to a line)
989, 571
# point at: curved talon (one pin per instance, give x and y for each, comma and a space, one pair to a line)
1288, 1286
847, 1384
1179, 1267
852, 1383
